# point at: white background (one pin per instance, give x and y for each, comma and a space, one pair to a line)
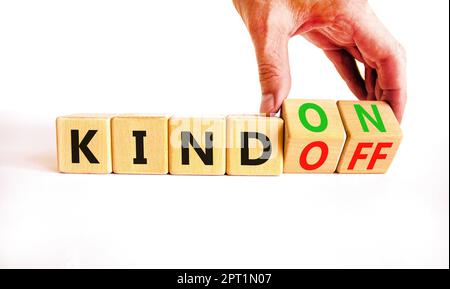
195, 57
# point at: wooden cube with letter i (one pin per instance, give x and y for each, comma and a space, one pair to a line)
84, 143
254, 145
140, 144
373, 137
313, 136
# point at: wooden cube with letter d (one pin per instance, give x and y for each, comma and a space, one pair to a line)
254, 145
373, 137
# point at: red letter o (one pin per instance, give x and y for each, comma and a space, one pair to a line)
323, 157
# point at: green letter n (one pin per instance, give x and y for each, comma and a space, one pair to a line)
363, 115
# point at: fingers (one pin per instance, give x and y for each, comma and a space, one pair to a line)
271, 24
274, 71
354, 51
392, 82
378, 46
346, 66
370, 76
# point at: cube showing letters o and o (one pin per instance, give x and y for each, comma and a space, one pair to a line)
84, 143
374, 136
313, 136
254, 145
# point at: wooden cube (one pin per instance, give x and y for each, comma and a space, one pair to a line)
254, 145
140, 144
197, 146
313, 136
84, 143
374, 136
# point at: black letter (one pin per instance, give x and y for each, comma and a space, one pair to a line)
140, 159
267, 151
83, 146
207, 156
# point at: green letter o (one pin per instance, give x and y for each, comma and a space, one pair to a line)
323, 117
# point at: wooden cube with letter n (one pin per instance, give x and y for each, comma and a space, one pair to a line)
84, 143
313, 137
197, 146
254, 145
373, 137
140, 144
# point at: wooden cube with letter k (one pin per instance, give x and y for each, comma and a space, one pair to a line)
84, 143
373, 137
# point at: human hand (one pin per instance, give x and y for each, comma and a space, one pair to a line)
347, 31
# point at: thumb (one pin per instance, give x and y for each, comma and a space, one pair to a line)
274, 72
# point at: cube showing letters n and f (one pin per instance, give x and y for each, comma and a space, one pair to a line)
374, 136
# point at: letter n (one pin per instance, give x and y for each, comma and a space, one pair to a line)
363, 115
187, 140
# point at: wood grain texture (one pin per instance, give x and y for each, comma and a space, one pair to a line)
371, 145
272, 127
199, 128
84, 126
317, 138
140, 133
